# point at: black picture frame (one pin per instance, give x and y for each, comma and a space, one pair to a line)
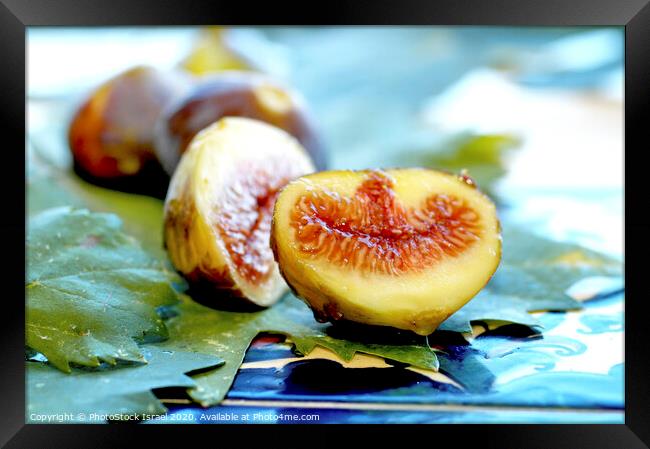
634, 15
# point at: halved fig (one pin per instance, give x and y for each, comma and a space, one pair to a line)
234, 94
404, 248
219, 207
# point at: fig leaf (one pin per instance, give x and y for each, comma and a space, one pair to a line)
534, 275
114, 390
91, 291
228, 335
49, 186
487, 306
483, 156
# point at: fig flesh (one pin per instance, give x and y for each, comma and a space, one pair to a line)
111, 134
219, 207
234, 94
404, 248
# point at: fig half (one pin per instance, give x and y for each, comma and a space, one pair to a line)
404, 248
219, 207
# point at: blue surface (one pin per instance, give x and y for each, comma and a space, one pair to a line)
547, 395
477, 367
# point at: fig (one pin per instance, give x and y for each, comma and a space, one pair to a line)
234, 94
111, 134
214, 52
217, 215
403, 248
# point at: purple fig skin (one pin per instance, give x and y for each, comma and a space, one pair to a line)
234, 94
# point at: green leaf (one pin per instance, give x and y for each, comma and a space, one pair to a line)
91, 290
534, 275
483, 156
49, 186
541, 270
487, 306
115, 390
228, 335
